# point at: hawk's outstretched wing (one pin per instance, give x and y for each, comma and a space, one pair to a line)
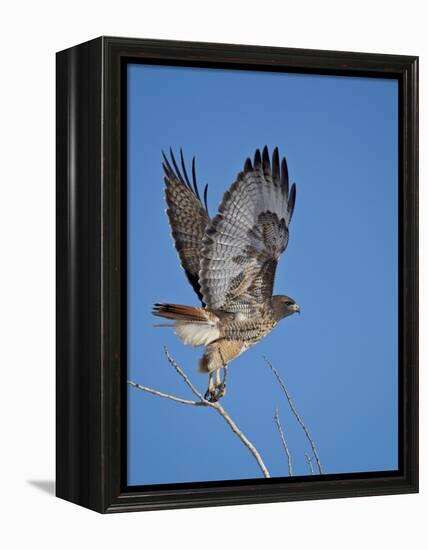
243, 243
188, 217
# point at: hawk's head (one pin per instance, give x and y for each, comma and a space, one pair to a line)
283, 306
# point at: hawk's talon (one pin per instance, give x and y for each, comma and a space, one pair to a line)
221, 390
215, 393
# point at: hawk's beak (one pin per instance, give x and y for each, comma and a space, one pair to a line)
296, 308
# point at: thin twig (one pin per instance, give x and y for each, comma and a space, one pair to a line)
309, 461
183, 376
161, 394
284, 442
296, 414
205, 403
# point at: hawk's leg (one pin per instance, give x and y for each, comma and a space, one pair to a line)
210, 390
216, 390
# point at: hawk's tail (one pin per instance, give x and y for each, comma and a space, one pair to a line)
178, 312
193, 325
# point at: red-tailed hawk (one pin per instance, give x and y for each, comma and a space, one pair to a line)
230, 260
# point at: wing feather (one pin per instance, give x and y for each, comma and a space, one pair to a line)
188, 217
243, 243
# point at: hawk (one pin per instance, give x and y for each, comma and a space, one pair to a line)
230, 260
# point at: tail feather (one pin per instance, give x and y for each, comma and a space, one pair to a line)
193, 325
179, 312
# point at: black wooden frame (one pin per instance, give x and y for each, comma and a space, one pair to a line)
91, 258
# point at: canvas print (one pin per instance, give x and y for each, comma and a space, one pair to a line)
262, 291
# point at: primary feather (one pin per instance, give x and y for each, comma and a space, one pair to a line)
188, 217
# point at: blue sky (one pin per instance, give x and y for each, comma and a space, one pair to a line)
339, 357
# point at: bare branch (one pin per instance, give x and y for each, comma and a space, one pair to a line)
166, 395
309, 461
242, 437
296, 414
183, 376
284, 442
205, 403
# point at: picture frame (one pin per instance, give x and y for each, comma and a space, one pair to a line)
91, 176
